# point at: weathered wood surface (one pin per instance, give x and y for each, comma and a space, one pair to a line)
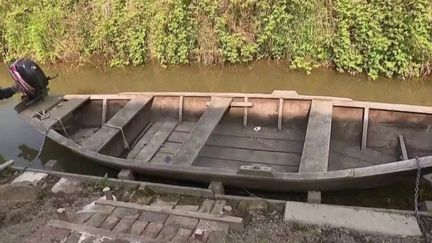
201, 131
316, 148
144, 139
237, 131
365, 127
63, 109
46, 104
403, 148
235, 221
106, 133
148, 151
285, 146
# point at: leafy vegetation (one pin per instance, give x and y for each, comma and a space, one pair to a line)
379, 37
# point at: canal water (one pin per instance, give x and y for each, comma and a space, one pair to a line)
20, 142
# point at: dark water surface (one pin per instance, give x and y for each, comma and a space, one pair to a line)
20, 142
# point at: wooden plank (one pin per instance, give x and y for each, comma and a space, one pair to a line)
368, 155
317, 142
286, 146
235, 165
201, 131
148, 151
235, 221
238, 131
107, 132
403, 147
144, 140
62, 110
365, 127
252, 156
84, 229
237, 104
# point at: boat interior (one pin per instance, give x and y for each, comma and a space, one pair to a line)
243, 133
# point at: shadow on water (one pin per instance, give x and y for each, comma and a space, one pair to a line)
20, 142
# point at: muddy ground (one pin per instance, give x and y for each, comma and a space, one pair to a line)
262, 224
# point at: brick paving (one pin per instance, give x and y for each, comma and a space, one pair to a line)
103, 223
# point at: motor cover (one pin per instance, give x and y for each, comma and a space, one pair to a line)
29, 77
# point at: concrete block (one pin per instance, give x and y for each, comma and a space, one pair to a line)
66, 185
32, 177
314, 197
425, 206
217, 187
356, 219
126, 175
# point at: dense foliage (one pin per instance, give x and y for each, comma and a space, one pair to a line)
379, 37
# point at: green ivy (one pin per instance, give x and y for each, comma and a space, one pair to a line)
378, 37
173, 31
383, 37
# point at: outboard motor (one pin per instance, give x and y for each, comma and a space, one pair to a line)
30, 80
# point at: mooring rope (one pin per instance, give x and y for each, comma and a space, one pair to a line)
126, 143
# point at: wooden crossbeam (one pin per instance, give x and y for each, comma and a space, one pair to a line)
201, 131
317, 141
117, 123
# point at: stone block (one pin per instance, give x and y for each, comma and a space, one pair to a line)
126, 175
356, 219
32, 177
66, 185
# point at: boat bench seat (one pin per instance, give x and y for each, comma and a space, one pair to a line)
202, 130
316, 147
117, 128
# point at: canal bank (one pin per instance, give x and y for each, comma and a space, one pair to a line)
51, 211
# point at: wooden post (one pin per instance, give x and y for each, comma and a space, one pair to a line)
245, 113
365, 127
280, 114
403, 147
104, 111
180, 118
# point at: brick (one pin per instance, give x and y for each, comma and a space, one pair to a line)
167, 233
138, 227
110, 222
96, 220
182, 235
123, 226
152, 230
153, 217
126, 213
73, 238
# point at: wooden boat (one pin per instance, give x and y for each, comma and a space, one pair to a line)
281, 141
